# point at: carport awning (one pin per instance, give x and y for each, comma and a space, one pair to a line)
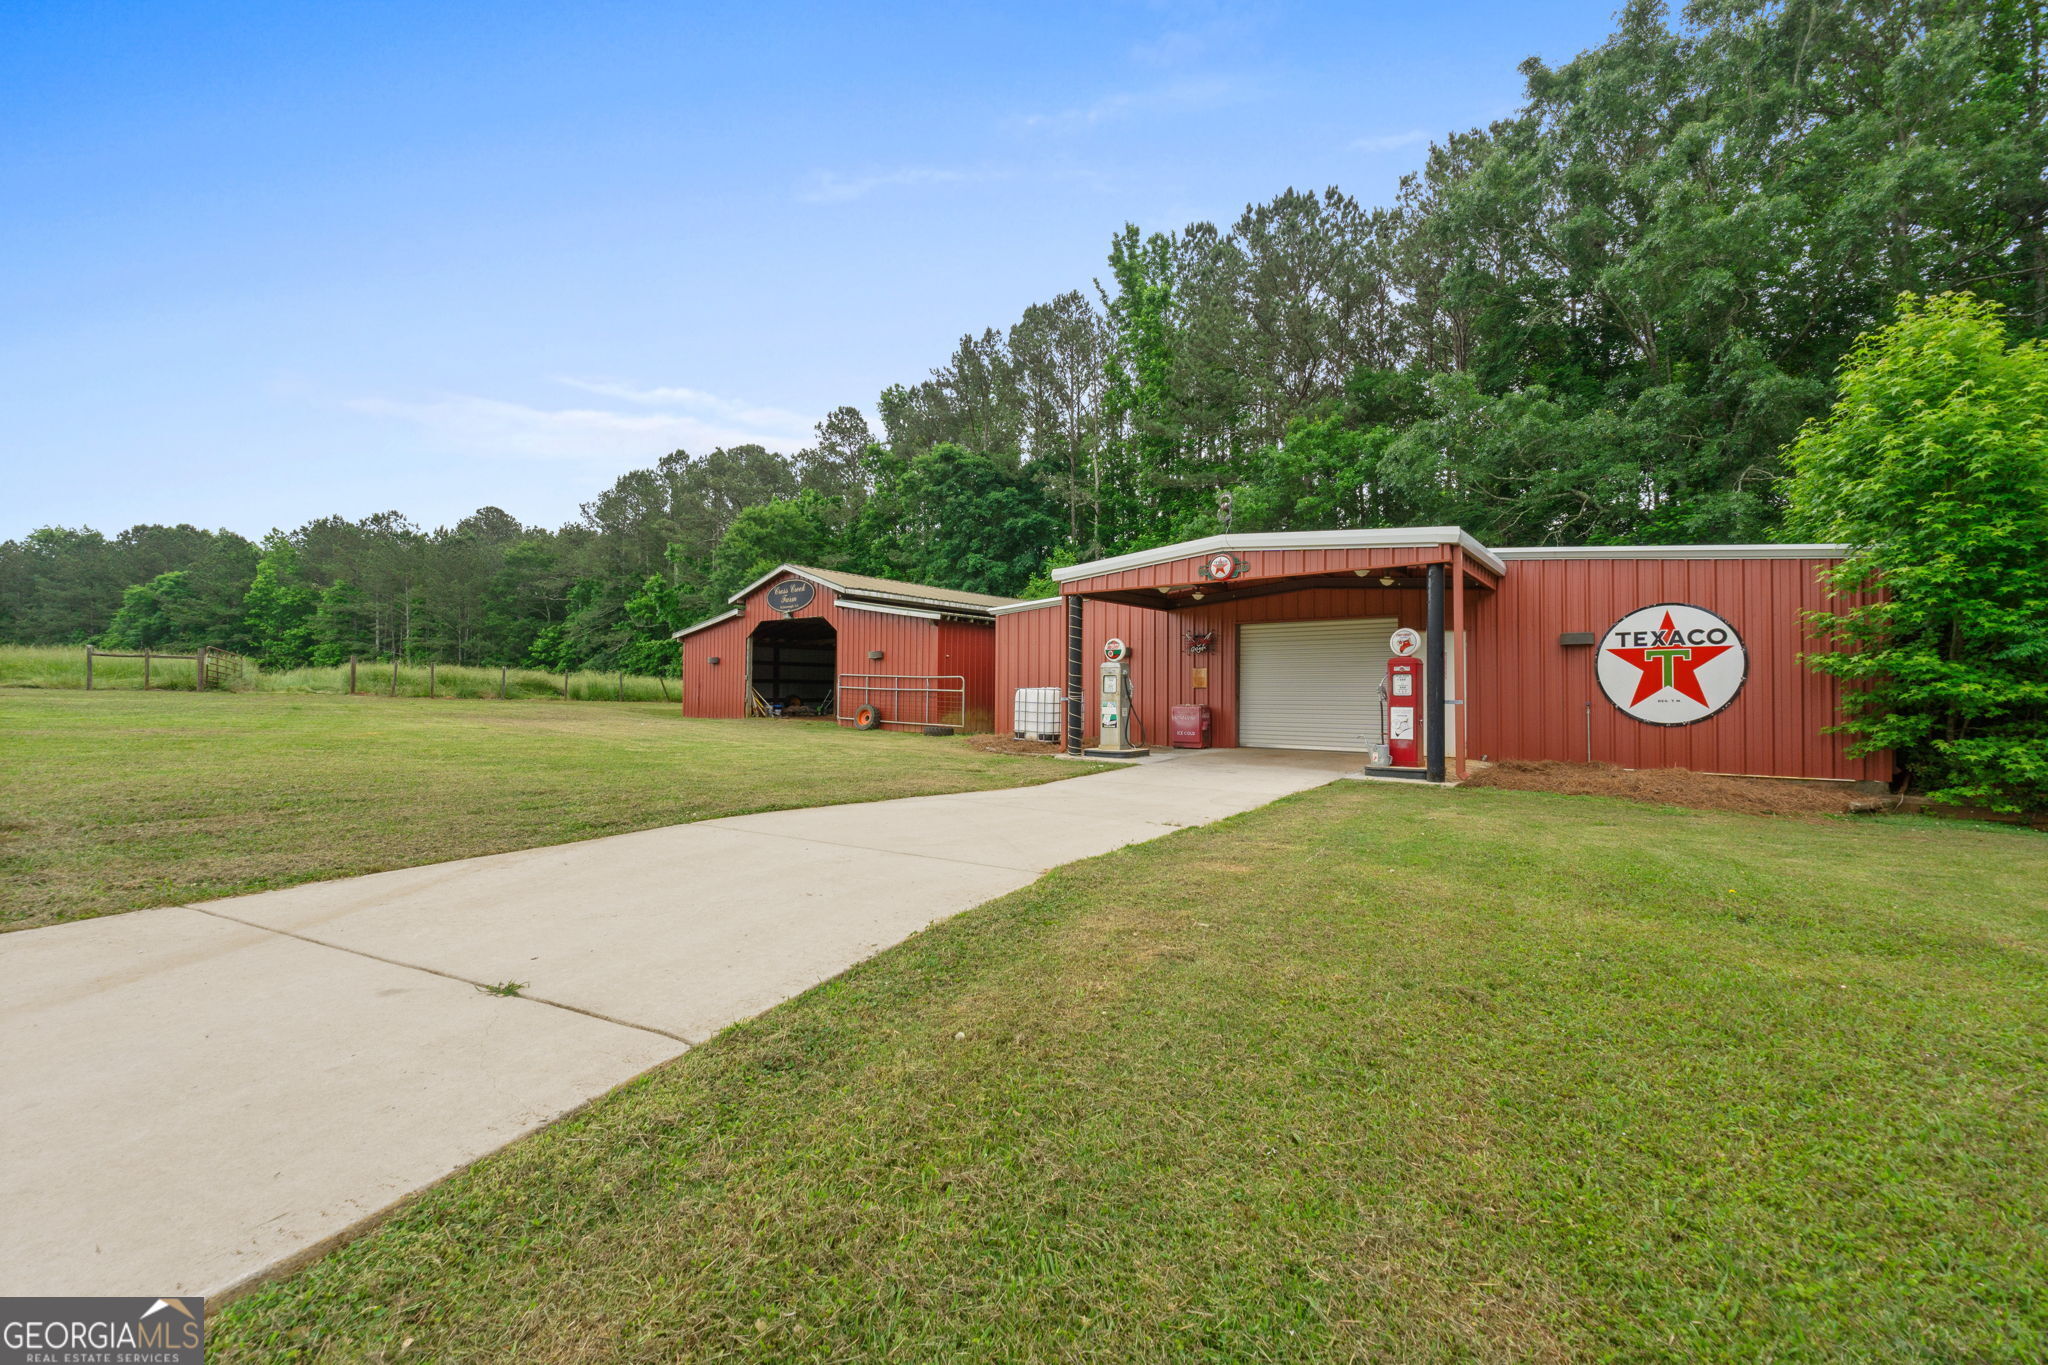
1173, 580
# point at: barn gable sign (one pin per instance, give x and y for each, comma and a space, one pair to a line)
1671, 664
792, 594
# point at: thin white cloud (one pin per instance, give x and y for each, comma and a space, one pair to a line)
1199, 31
472, 425
831, 187
1182, 97
1172, 49
1392, 142
696, 402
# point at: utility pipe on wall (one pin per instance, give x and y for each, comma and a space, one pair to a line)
1433, 679
1074, 642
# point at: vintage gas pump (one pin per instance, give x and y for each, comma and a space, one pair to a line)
1114, 688
1403, 692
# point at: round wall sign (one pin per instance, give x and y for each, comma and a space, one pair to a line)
1404, 641
1671, 664
792, 594
1114, 649
1221, 568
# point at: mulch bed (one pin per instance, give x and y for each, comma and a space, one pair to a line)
1675, 787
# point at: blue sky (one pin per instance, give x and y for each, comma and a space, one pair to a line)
269, 262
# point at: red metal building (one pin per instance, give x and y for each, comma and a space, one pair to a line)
803, 641
1660, 656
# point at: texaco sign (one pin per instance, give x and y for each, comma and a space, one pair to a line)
1671, 664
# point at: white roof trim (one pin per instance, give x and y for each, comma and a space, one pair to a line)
1397, 537
702, 625
1033, 605
951, 608
1675, 552
784, 568
852, 605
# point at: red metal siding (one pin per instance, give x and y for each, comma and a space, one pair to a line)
1031, 649
909, 645
968, 649
1527, 693
720, 689
1530, 694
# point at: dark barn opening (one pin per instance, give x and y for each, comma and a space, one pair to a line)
794, 665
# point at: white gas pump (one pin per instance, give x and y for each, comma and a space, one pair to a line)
1113, 688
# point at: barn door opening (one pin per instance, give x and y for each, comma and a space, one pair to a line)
793, 667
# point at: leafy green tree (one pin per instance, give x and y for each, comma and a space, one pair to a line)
958, 519
158, 614
804, 529
550, 650
343, 625
1933, 467
1140, 405
279, 608
834, 465
655, 613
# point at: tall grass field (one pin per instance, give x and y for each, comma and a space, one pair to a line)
63, 666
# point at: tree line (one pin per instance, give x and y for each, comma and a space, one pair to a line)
1600, 320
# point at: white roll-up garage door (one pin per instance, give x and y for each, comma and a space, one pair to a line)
1311, 684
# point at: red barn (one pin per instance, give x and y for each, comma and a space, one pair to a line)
1659, 656
803, 641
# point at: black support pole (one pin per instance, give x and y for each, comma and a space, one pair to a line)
1074, 676
1433, 679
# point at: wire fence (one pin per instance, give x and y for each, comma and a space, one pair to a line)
211, 667
91, 668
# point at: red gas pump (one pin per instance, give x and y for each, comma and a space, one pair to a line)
1404, 699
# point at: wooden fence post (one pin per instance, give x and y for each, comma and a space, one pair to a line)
430, 680
565, 684
88, 668
145, 668
199, 670
351, 675
622, 687
394, 673
504, 673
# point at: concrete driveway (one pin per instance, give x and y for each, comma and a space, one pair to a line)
198, 1095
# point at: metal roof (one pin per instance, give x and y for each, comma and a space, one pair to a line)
889, 589
711, 621
1032, 605
1401, 537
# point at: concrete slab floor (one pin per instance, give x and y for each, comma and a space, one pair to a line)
197, 1095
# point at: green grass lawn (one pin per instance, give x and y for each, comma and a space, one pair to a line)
1373, 1074
119, 800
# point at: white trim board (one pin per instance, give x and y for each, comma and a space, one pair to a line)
705, 625
850, 604
1035, 604
1675, 552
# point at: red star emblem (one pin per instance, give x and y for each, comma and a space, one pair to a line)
1670, 663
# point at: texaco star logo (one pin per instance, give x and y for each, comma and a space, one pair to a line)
1671, 664
1222, 568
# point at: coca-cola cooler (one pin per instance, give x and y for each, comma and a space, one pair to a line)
1192, 727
